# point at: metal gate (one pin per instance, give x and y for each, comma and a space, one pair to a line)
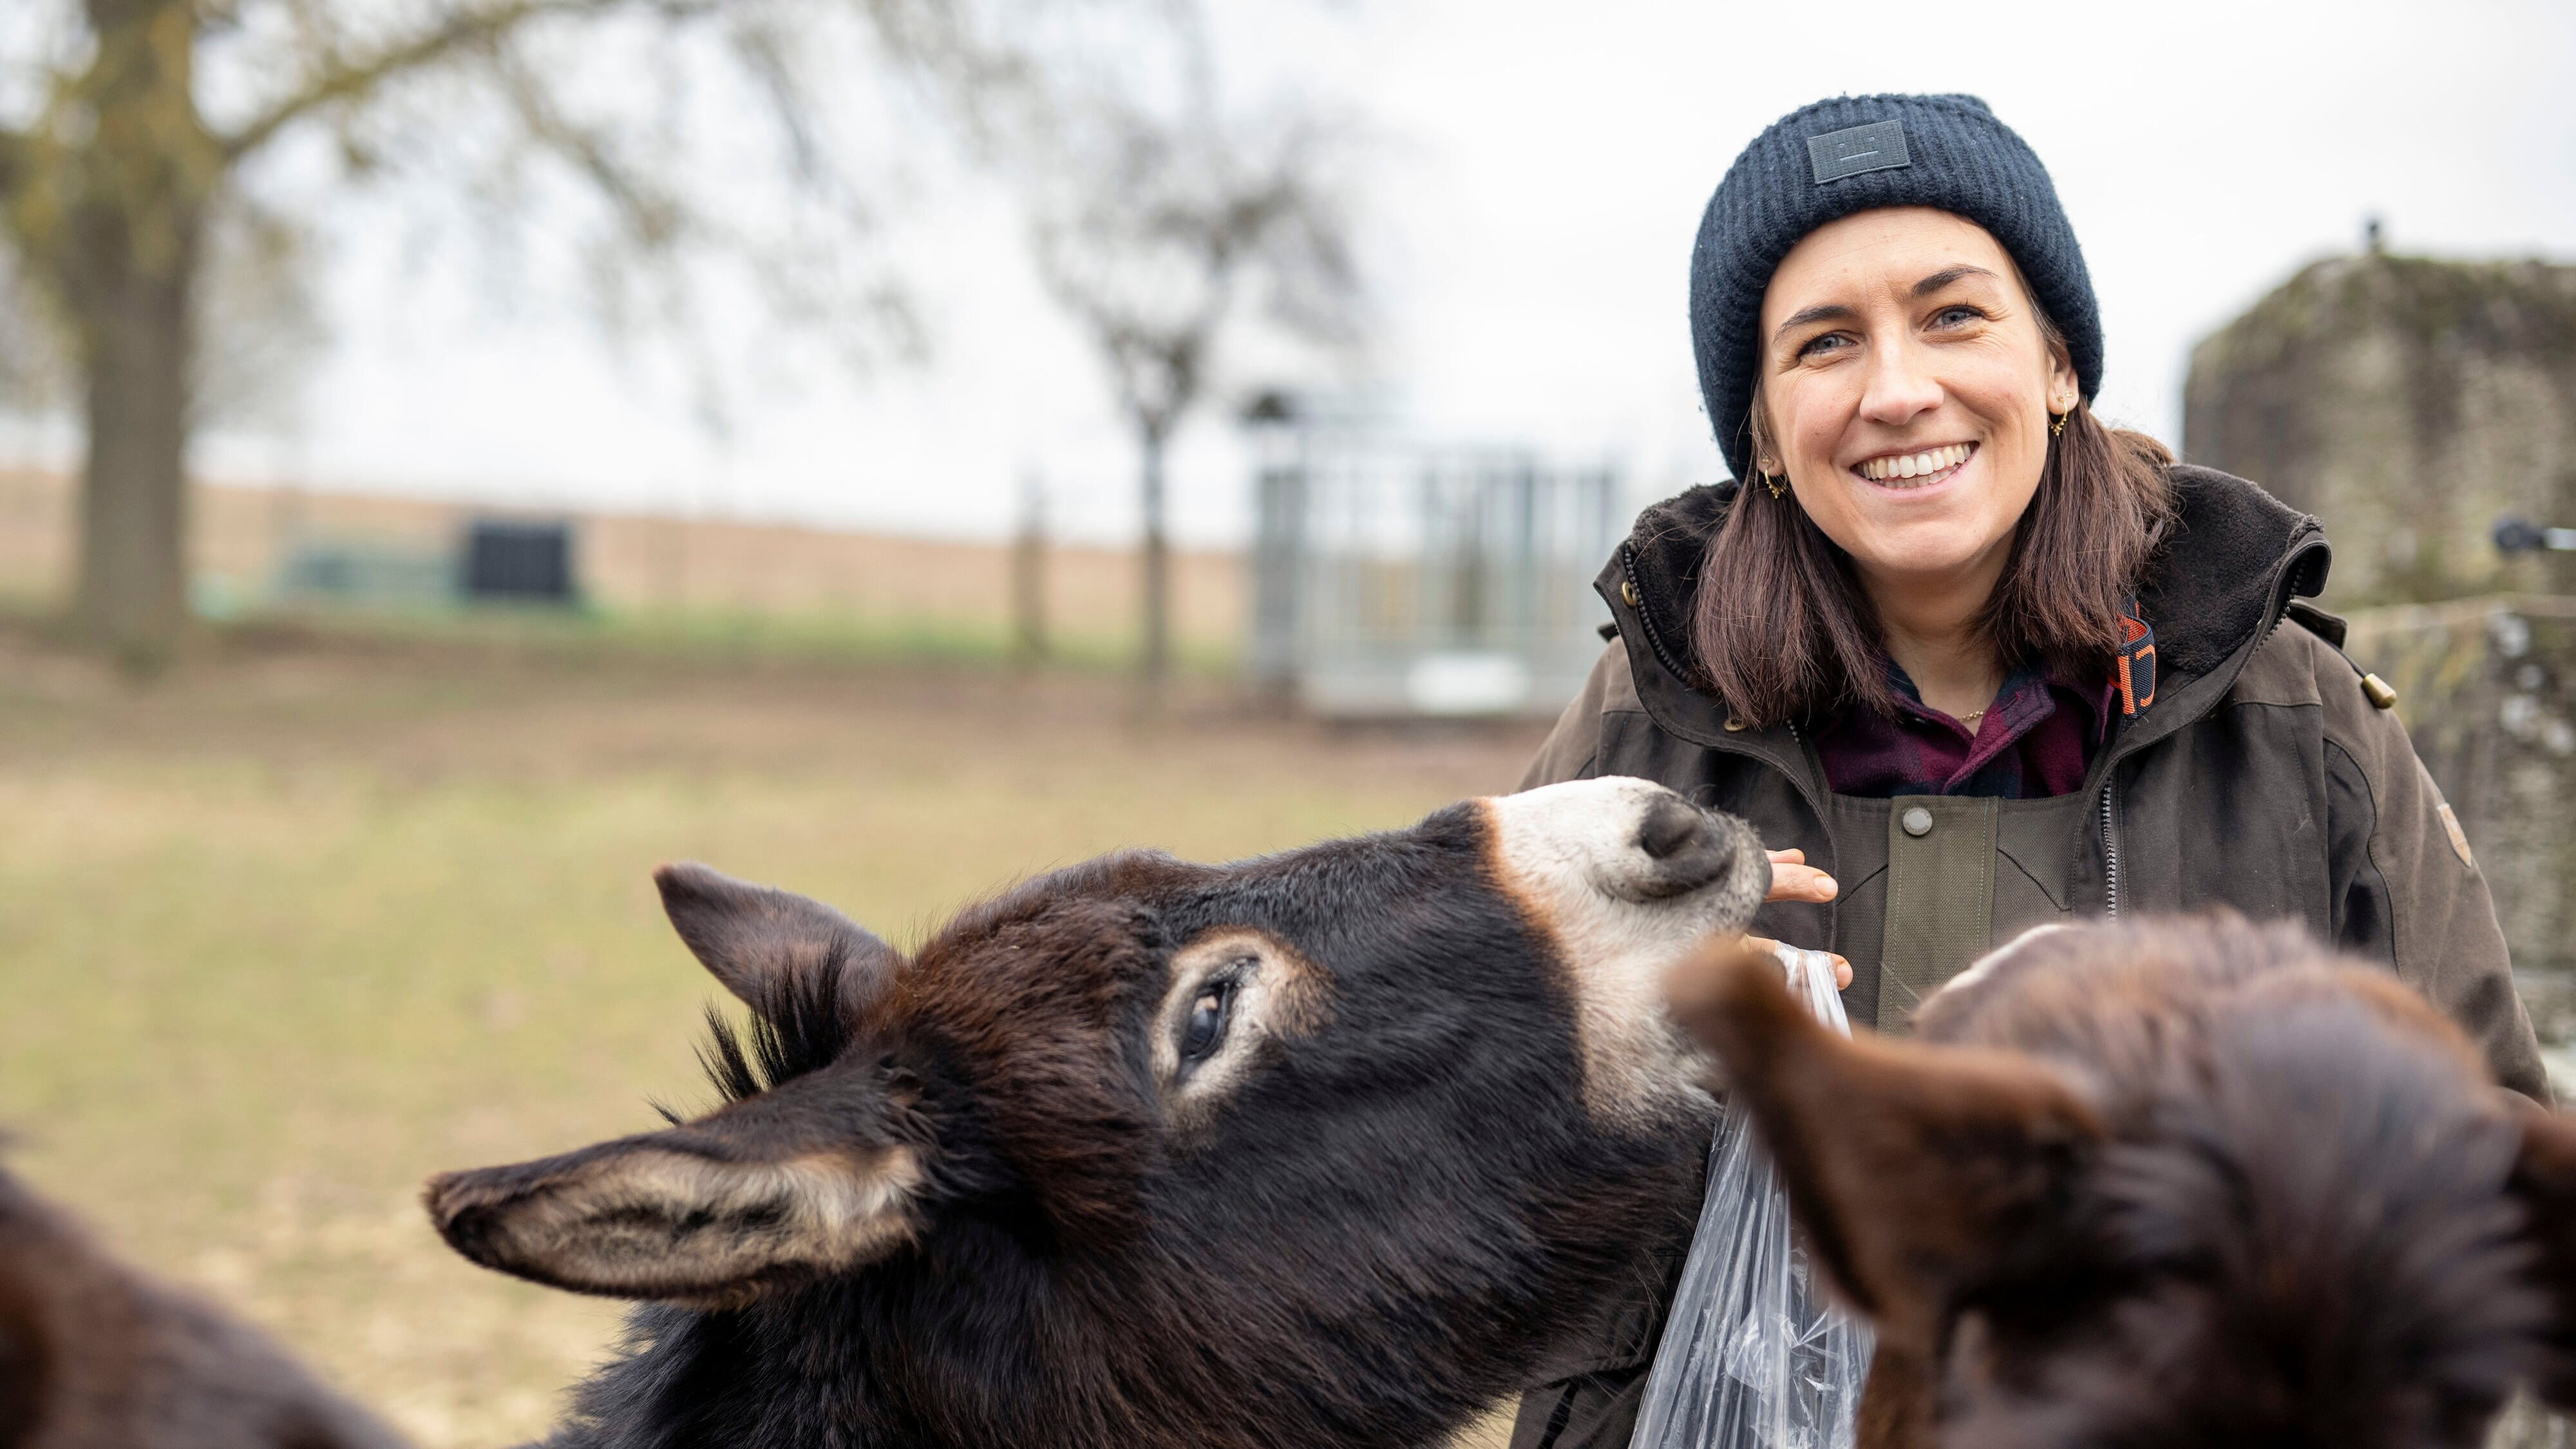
1393, 578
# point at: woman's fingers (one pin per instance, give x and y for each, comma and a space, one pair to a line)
1792, 879
1842, 968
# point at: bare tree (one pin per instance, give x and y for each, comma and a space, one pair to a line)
132, 130
1162, 233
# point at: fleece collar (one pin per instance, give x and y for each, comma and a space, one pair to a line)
2237, 558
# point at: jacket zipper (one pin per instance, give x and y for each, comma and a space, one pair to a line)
1654, 640
2110, 853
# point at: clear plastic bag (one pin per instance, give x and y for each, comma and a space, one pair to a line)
1753, 1356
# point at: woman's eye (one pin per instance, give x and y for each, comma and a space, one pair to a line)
1958, 316
1817, 346
1207, 1022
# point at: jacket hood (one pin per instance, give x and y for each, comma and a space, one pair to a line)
2237, 558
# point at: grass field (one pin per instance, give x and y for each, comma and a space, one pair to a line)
315, 917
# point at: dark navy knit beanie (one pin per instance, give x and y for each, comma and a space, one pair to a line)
1854, 153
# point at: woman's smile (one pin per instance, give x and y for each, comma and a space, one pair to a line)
1914, 469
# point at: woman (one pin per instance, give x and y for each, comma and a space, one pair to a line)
1964, 650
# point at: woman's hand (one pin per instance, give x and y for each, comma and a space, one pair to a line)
1792, 879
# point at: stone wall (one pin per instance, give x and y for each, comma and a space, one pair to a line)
2487, 688
2408, 403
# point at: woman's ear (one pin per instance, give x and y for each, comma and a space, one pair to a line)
2065, 390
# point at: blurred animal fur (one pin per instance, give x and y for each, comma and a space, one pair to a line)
2184, 1182
95, 1355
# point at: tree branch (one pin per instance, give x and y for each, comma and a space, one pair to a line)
344, 78
653, 215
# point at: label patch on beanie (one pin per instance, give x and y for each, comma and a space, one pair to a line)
1878, 146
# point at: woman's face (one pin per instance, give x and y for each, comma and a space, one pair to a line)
1908, 389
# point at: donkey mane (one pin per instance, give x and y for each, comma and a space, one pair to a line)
808, 1020
807, 1033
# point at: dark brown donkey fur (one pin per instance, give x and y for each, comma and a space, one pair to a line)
2176, 1183
1326, 1149
93, 1355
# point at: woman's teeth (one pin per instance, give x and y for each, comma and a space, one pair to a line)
1916, 465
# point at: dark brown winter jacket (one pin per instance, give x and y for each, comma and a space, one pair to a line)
2262, 777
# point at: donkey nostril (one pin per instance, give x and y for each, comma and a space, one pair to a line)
1690, 848
1669, 828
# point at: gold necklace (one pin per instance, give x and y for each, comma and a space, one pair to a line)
1974, 715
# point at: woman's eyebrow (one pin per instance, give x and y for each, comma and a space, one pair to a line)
1946, 276
1828, 312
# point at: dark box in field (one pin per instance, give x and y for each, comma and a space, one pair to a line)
519, 562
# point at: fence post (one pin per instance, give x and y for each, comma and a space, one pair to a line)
1028, 575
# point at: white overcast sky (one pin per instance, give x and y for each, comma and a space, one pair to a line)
1533, 216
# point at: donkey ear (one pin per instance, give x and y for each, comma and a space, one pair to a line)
1912, 1168
770, 947
705, 1215
2544, 1180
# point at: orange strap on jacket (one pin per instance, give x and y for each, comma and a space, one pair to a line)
2136, 674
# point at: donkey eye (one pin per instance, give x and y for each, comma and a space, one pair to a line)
1206, 1025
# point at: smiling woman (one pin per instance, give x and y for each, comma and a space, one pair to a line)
1969, 660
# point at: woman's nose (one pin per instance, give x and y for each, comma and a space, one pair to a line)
1901, 388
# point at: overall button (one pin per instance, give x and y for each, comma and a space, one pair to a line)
1917, 821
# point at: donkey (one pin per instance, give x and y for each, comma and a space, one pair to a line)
94, 1355
2175, 1183
1331, 1148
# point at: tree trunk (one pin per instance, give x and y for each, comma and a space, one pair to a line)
126, 258
1155, 662
133, 591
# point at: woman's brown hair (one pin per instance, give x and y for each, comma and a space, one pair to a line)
1784, 631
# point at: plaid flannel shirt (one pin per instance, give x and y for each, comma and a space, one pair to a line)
2035, 741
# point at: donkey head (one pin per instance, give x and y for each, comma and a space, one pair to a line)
1150, 1149
2189, 1183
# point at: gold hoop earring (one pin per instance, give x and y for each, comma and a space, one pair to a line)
2057, 422
1779, 486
